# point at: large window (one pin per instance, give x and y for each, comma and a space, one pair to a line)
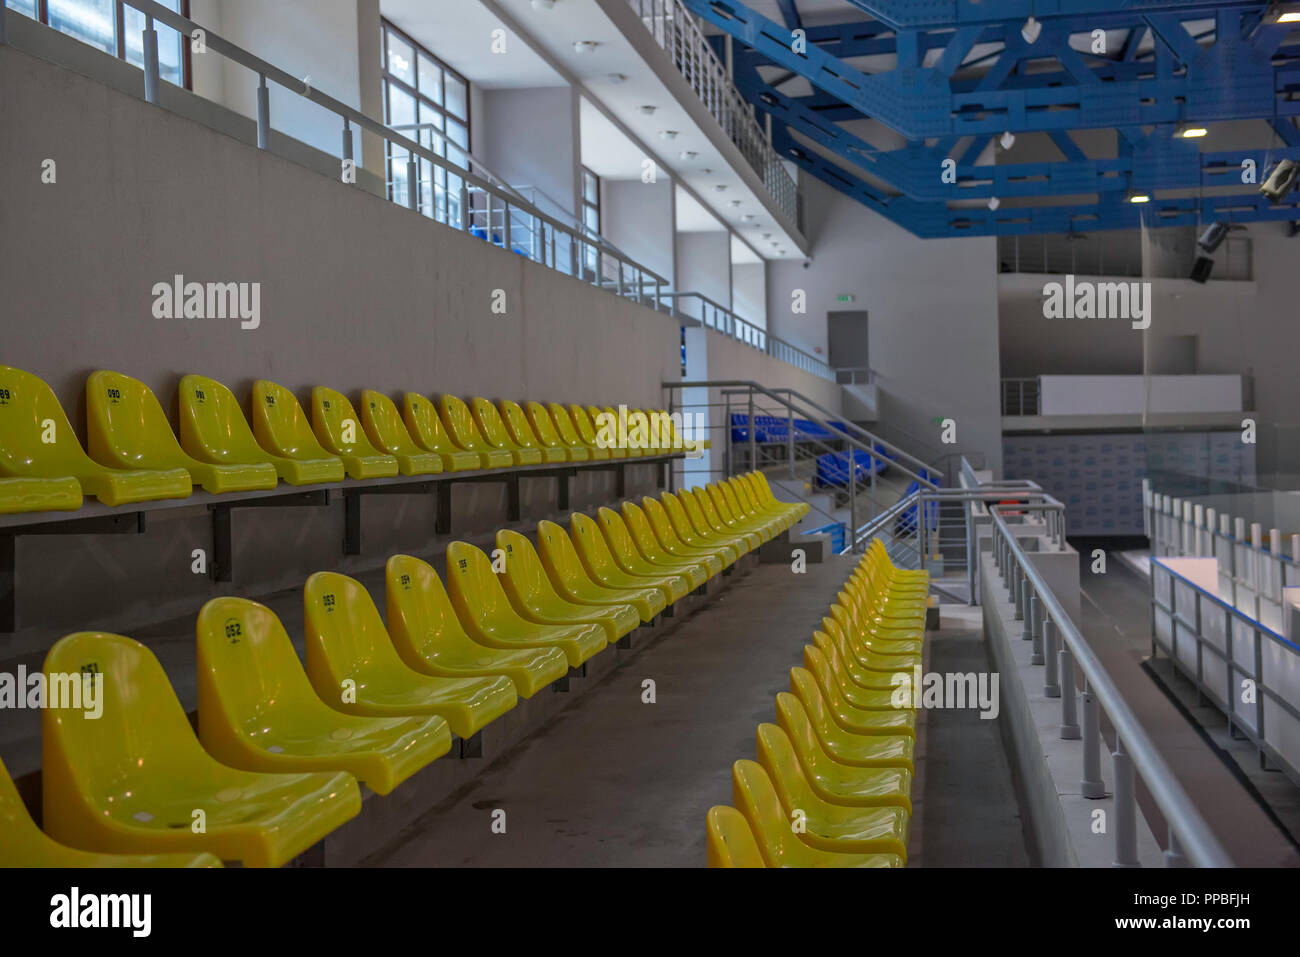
428, 102
114, 27
591, 215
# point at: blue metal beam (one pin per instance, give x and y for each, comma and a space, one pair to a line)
919, 102
790, 14
913, 14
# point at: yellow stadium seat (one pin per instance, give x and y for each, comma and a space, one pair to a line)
833, 782
740, 500
23, 844
604, 432
126, 428
689, 505
387, 433
856, 750
870, 638
580, 449
759, 481
834, 679
550, 436
728, 840
753, 794
459, 423
712, 519
630, 559
766, 528
137, 780
640, 434
587, 433
338, 429
426, 428
214, 430
39, 494
677, 542
642, 532
565, 570
493, 429
516, 422
875, 679
806, 685
880, 829
354, 667
535, 598
431, 639
37, 442
602, 567
281, 427
485, 610
746, 486
258, 712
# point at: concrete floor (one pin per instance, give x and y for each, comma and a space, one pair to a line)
615, 782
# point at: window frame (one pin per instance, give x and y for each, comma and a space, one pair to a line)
119, 36
593, 251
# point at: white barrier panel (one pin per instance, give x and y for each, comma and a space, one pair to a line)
1128, 394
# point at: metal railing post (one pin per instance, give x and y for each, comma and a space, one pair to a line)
1069, 699
1092, 785
1125, 808
151, 79
753, 434
412, 183
1035, 632
1051, 660
790, 438
263, 114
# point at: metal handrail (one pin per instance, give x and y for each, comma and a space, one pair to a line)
677, 33
714, 315
1045, 619
509, 198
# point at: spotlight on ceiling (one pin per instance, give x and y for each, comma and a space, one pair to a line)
721, 187
1283, 13
733, 202
686, 155
617, 78
1031, 30
543, 4
1139, 198
646, 109
1214, 235
1192, 132
748, 217
584, 46
1280, 181
668, 134
1006, 139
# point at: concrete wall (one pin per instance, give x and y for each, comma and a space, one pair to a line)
511, 122
933, 322
639, 218
749, 292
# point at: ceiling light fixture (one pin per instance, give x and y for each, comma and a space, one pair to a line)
584, 46
618, 78
1192, 132
668, 134
543, 4
1006, 139
994, 202
687, 155
1139, 198
1031, 30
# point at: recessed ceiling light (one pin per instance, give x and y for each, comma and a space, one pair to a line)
543, 4
1192, 132
668, 134
994, 202
733, 202
1139, 198
686, 155
1291, 16
748, 217
1006, 139
721, 187
706, 172
646, 110
584, 46
767, 235
618, 78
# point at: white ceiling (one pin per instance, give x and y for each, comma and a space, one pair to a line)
692, 217
461, 34
605, 150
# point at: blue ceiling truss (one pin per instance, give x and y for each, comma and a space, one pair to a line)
962, 73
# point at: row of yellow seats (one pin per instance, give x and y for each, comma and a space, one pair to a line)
135, 456
280, 748
832, 783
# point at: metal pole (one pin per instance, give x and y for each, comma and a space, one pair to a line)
790, 438
853, 513
464, 208
1051, 661
263, 115
753, 434
727, 426
347, 139
1036, 631
1069, 715
151, 62
1125, 808
1174, 852
1091, 786
412, 183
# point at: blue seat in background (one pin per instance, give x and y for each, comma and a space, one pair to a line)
833, 467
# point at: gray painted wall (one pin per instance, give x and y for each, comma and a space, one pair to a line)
639, 219
934, 318
530, 138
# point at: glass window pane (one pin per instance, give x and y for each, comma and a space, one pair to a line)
93, 21
457, 102
169, 42
401, 59
26, 7
457, 133
401, 107
590, 187
591, 218
430, 79
458, 157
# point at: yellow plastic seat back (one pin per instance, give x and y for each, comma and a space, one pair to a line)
729, 840
493, 428
281, 425
388, 433
605, 429
475, 590
428, 432
338, 428
37, 442
346, 638
560, 419
582, 424
523, 434
127, 429
460, 425
550, 435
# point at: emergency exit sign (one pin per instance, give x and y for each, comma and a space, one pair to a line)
846, 297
